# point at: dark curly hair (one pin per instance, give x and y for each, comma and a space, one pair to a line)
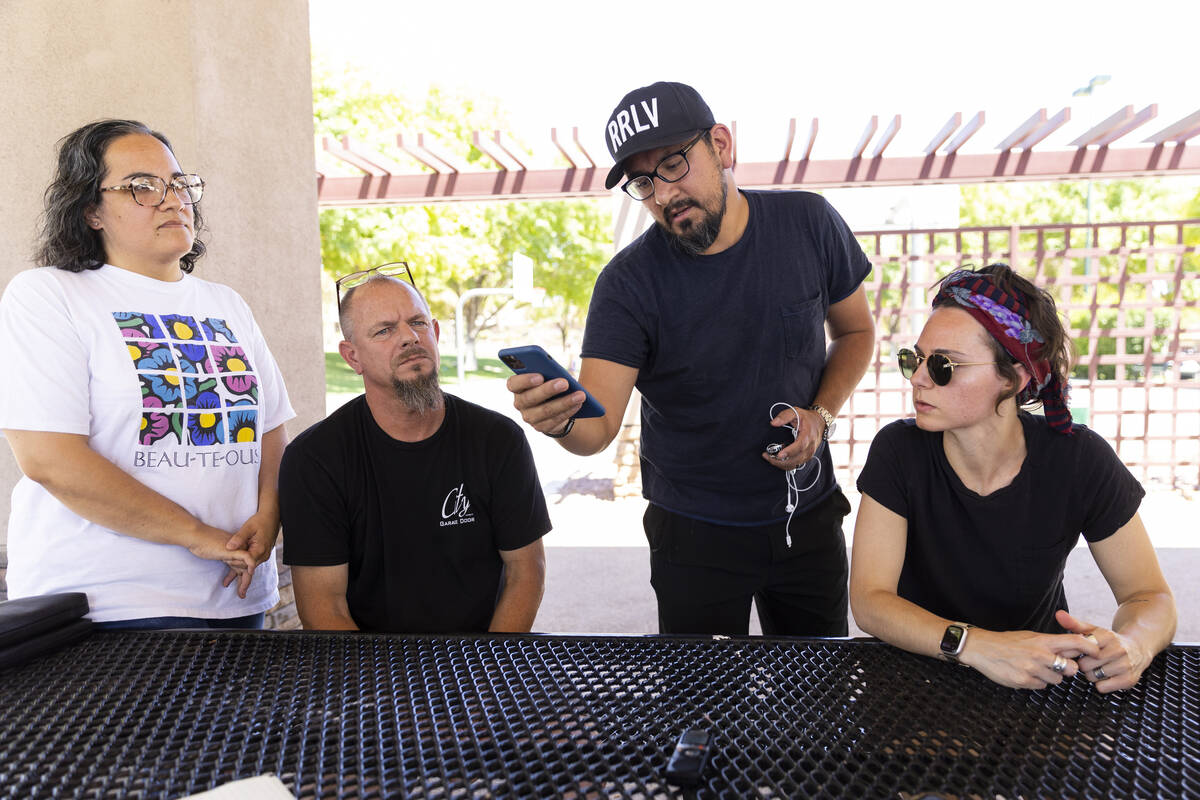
65, 239
1043, 316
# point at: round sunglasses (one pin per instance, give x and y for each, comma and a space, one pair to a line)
941, 368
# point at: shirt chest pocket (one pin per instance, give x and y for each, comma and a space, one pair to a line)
804, 329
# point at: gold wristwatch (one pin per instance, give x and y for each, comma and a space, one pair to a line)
830, 421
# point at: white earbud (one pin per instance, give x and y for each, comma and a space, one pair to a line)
793, 492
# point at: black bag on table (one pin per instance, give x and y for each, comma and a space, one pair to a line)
31, 626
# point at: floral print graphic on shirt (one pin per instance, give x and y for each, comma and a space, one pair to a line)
193, 373
192, 358
156, 425
134, 325
242, 426
215, 330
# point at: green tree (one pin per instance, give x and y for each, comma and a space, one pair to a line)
1131, 200
455, 247
1191, 235
568, 249
1044, 203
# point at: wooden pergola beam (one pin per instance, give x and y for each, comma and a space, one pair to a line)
807, 174
451, 179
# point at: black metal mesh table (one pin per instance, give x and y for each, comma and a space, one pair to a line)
372, 716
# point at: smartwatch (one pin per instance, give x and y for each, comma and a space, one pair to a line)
830, 420
954, 640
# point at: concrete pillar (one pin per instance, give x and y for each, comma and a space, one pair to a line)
229, 82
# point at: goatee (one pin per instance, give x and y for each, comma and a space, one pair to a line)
698, 236
421, 394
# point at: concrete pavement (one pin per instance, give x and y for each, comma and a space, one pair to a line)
605, 588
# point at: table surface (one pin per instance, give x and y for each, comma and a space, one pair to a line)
376, 716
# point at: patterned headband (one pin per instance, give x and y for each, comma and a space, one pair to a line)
1005, 317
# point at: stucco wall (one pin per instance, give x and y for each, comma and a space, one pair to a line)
229, 83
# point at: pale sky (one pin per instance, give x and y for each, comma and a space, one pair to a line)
564, 63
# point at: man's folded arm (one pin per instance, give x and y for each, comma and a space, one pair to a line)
321, 597
521, 595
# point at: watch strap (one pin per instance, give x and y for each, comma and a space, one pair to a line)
827, 417
565, 431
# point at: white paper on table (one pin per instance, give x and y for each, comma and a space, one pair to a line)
261, 787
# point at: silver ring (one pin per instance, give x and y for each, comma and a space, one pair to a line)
1059, 664
1099, 673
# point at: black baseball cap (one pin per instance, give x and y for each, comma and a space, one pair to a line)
652, 116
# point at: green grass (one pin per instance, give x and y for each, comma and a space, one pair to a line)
340, 379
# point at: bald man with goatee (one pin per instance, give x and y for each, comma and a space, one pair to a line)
410, 510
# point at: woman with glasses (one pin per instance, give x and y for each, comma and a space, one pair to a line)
970, 509
141, 402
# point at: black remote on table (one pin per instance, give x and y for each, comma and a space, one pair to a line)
689, 758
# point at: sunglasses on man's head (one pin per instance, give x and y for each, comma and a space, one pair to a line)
941, 368
394, 269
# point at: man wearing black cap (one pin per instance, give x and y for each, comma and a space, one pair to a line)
718, 315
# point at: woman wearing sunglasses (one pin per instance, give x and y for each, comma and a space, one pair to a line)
970, 509
141, 403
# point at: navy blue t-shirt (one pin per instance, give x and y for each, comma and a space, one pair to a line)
717, 340
997, 560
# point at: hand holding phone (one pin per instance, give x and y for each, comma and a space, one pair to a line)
533, 359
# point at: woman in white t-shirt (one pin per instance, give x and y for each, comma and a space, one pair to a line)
141, 403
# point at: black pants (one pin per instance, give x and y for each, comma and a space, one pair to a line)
704, 575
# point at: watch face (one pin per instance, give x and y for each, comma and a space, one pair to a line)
952, 639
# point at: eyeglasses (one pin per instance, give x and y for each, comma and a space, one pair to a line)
941, 368
151, 190
394, 269
670, 169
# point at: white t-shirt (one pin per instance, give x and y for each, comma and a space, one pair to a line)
173, 383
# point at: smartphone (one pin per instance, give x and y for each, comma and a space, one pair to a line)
531, 358
691, 754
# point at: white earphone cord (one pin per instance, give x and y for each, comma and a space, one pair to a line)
790, 475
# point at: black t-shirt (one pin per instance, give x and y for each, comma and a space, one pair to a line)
717, 340
997, 561
420, 524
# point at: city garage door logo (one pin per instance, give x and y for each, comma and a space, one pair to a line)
456, 508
